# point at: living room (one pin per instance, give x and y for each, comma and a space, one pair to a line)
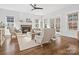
49, 29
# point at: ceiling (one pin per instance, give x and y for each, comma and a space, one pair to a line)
26, 8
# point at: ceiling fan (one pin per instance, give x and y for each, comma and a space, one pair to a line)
35, 7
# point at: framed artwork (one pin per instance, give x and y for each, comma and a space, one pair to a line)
20, 20
72, 21
28, 20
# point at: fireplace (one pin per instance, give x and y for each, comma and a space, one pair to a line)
26, 28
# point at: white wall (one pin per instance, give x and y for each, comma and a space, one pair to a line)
62, 13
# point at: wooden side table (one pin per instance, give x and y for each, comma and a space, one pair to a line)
53, 41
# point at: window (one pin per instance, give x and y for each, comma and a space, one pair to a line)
10, 22
51, 23
10, 19
45, 23
72, 21
41, 24
57, 24
37, 23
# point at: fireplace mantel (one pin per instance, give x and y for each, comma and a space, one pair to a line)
25, 23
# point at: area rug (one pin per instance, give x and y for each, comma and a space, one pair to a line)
26, 43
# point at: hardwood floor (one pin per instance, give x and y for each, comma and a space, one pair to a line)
9, 48
47, 49
12, 48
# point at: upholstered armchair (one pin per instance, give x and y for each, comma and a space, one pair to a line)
44, 36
